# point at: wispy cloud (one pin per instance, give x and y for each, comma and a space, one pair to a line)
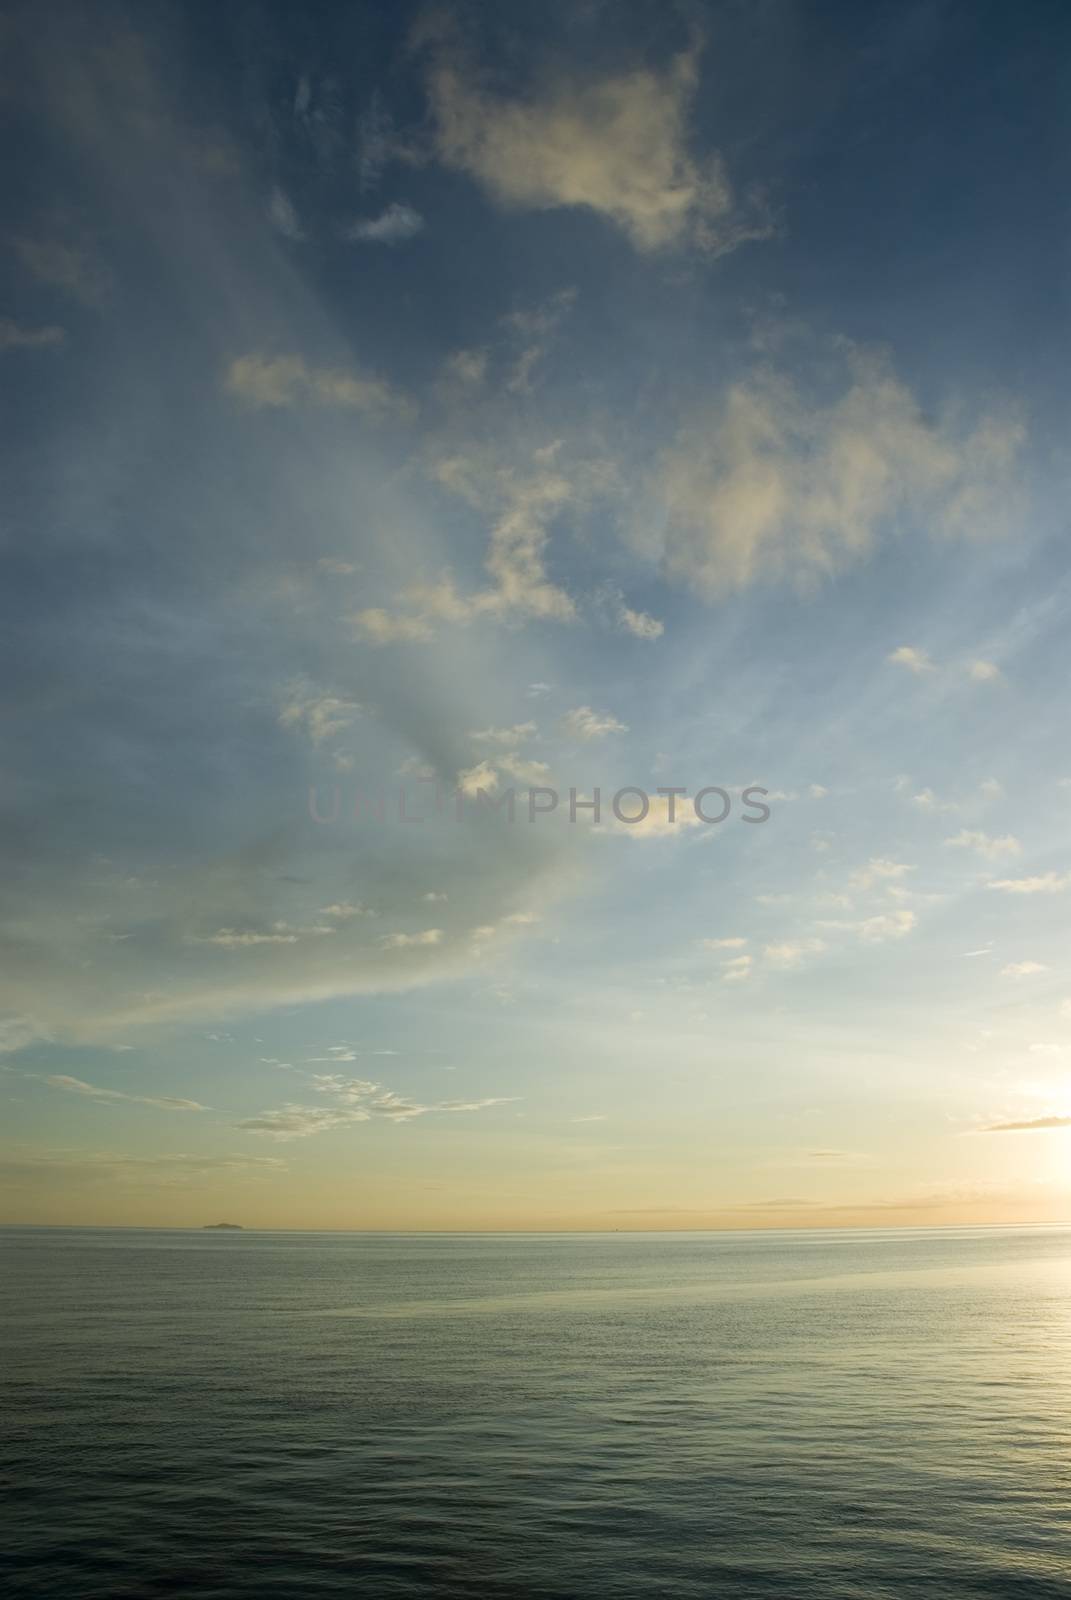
584, 724
616, 146
355, 1100
397, 223
1043, 883
985, 844
15, 337
411, 941
59, 1080
1029, 1125
275, 382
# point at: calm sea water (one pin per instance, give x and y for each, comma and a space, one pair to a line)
834, 1415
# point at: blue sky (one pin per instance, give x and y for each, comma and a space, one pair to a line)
476, 399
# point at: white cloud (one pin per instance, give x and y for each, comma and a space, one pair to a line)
738, 970
283, 216
522, 770
775, 485
397, 223
483, 776
985, 844
926, 800
319, 714
616, 146
889, 925
466, 367
345, 911
985, 672
92, 1091
356, 1100
274, 382
1046, 883
913, 659
16, 1032
792, 953
410, 941
1023, 969
507, 737
378, 626
524, 508
667, 817
583, 724
640, 624
879, 870
723, 944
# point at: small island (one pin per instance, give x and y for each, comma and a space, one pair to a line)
229, 1227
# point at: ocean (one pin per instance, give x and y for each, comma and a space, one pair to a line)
844, 1415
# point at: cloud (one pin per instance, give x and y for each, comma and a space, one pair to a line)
473, 779
356, 1100
914, 660
397, 223
17, 1032
248, 938
639, 624
74, 270
985, 672
534, 329
985, 844
299, 1122
1023, 969
792, 954
879, 870
93, 1166
59, 1080
1046, 883
345, 911
877, 929
508, 737
468, 368
15, 337
617, 146
410, 941
668, 817
723, 944
738, 970
523, 507
336, 567
378, 626
283, 217
584, 724
1031, 1125
611, 601
776, 484
274, 382
319, 714
522, 770
926, 800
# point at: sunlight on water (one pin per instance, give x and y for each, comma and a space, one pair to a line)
836, 1415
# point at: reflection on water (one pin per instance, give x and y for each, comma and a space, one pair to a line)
836, 1415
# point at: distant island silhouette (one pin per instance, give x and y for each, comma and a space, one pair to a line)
234, 1227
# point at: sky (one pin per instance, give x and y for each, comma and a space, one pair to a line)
413, 413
